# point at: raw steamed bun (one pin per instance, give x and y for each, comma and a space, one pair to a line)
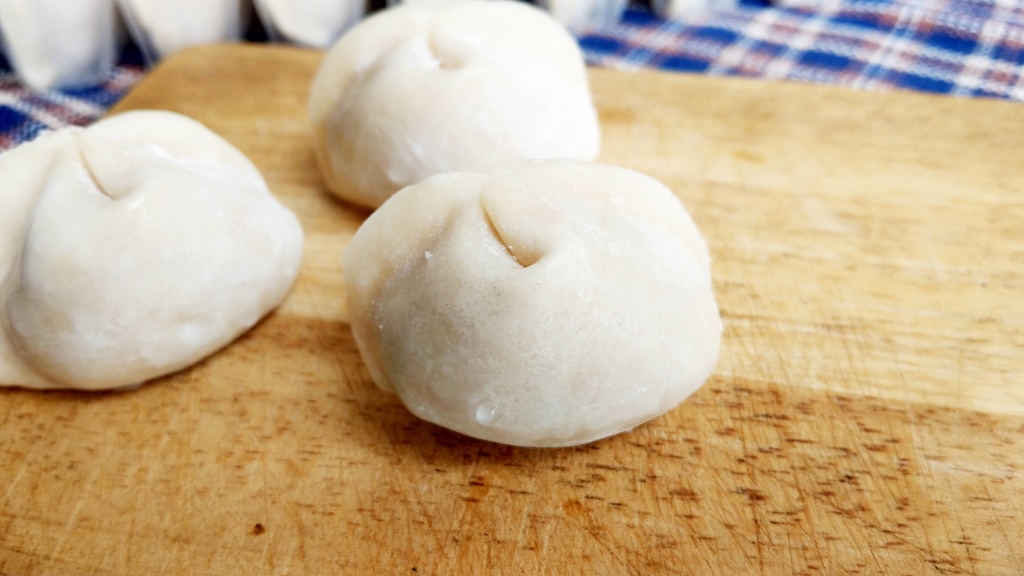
432, 87
132, 249
309, 22
60, 44
163, 27
686, 10
544, 303
582, 16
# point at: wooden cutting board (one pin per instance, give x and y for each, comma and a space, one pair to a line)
866, 416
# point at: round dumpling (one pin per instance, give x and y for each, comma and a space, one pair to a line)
437, 86
132, 249
544, 303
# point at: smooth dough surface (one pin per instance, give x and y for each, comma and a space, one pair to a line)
132, 249
309, 22
59, 44
163, 27
544, 303
582, 16
438, 86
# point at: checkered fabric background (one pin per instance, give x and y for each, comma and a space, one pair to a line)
972, 48
959, 47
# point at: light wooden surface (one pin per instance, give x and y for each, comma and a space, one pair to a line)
866, 417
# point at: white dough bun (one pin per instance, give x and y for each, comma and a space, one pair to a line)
544, 303
135, 248
432, 87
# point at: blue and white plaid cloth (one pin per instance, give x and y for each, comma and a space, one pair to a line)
958, 47
24, 112
971, 48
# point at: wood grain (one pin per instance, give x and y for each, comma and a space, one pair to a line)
866, 417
